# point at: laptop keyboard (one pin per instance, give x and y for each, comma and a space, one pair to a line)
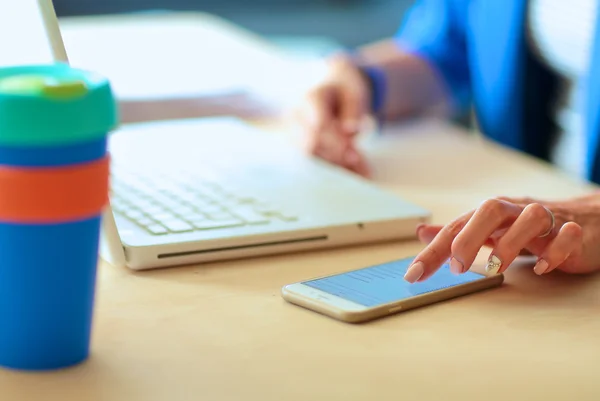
188, 204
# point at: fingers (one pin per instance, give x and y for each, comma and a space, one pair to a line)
492, 215
567, 243
352, 94
317, 117
333, 113
355, 161
437, 252
326, 136
533, 221
462, 239
426, 233
353, 109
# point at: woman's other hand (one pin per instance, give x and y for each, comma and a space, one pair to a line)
332, 114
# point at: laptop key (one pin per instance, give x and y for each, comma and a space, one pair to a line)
154, 209
170, 204
210, 209
210, 193
265, 208
201, 203
250, 216
187, 197
220, 216
184, 211
145, 221
177, 226
164, 200
286, 216
134, 214
119, 205
212, 224
164, 216
157, 229
143, 203
192, 218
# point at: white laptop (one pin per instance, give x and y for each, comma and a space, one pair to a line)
193, 191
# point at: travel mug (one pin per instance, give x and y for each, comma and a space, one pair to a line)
54, 183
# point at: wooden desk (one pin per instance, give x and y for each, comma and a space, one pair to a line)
222, 332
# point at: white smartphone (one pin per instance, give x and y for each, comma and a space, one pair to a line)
376, 291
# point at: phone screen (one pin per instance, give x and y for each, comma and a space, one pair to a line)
384, 283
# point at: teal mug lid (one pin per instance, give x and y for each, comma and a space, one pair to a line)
54, 104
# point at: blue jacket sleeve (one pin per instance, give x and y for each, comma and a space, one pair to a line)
435, 30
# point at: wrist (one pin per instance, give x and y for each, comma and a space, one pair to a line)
373, 76
376, 81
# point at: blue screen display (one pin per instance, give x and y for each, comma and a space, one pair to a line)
382, 284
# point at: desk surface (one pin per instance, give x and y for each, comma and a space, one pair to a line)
222, 332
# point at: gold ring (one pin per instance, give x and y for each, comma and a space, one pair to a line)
552, 223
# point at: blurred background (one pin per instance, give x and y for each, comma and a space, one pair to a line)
311, 26
187, 58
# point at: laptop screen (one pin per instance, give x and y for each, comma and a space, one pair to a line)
23, 38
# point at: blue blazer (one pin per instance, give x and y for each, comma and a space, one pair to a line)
479, 48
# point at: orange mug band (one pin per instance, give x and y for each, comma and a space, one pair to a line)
54, 194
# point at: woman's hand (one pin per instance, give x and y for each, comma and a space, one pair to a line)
563, 235
333, 112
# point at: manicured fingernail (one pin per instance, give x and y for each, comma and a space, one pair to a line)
420, 226
493, 265
456, 267
414, 272
541, 267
